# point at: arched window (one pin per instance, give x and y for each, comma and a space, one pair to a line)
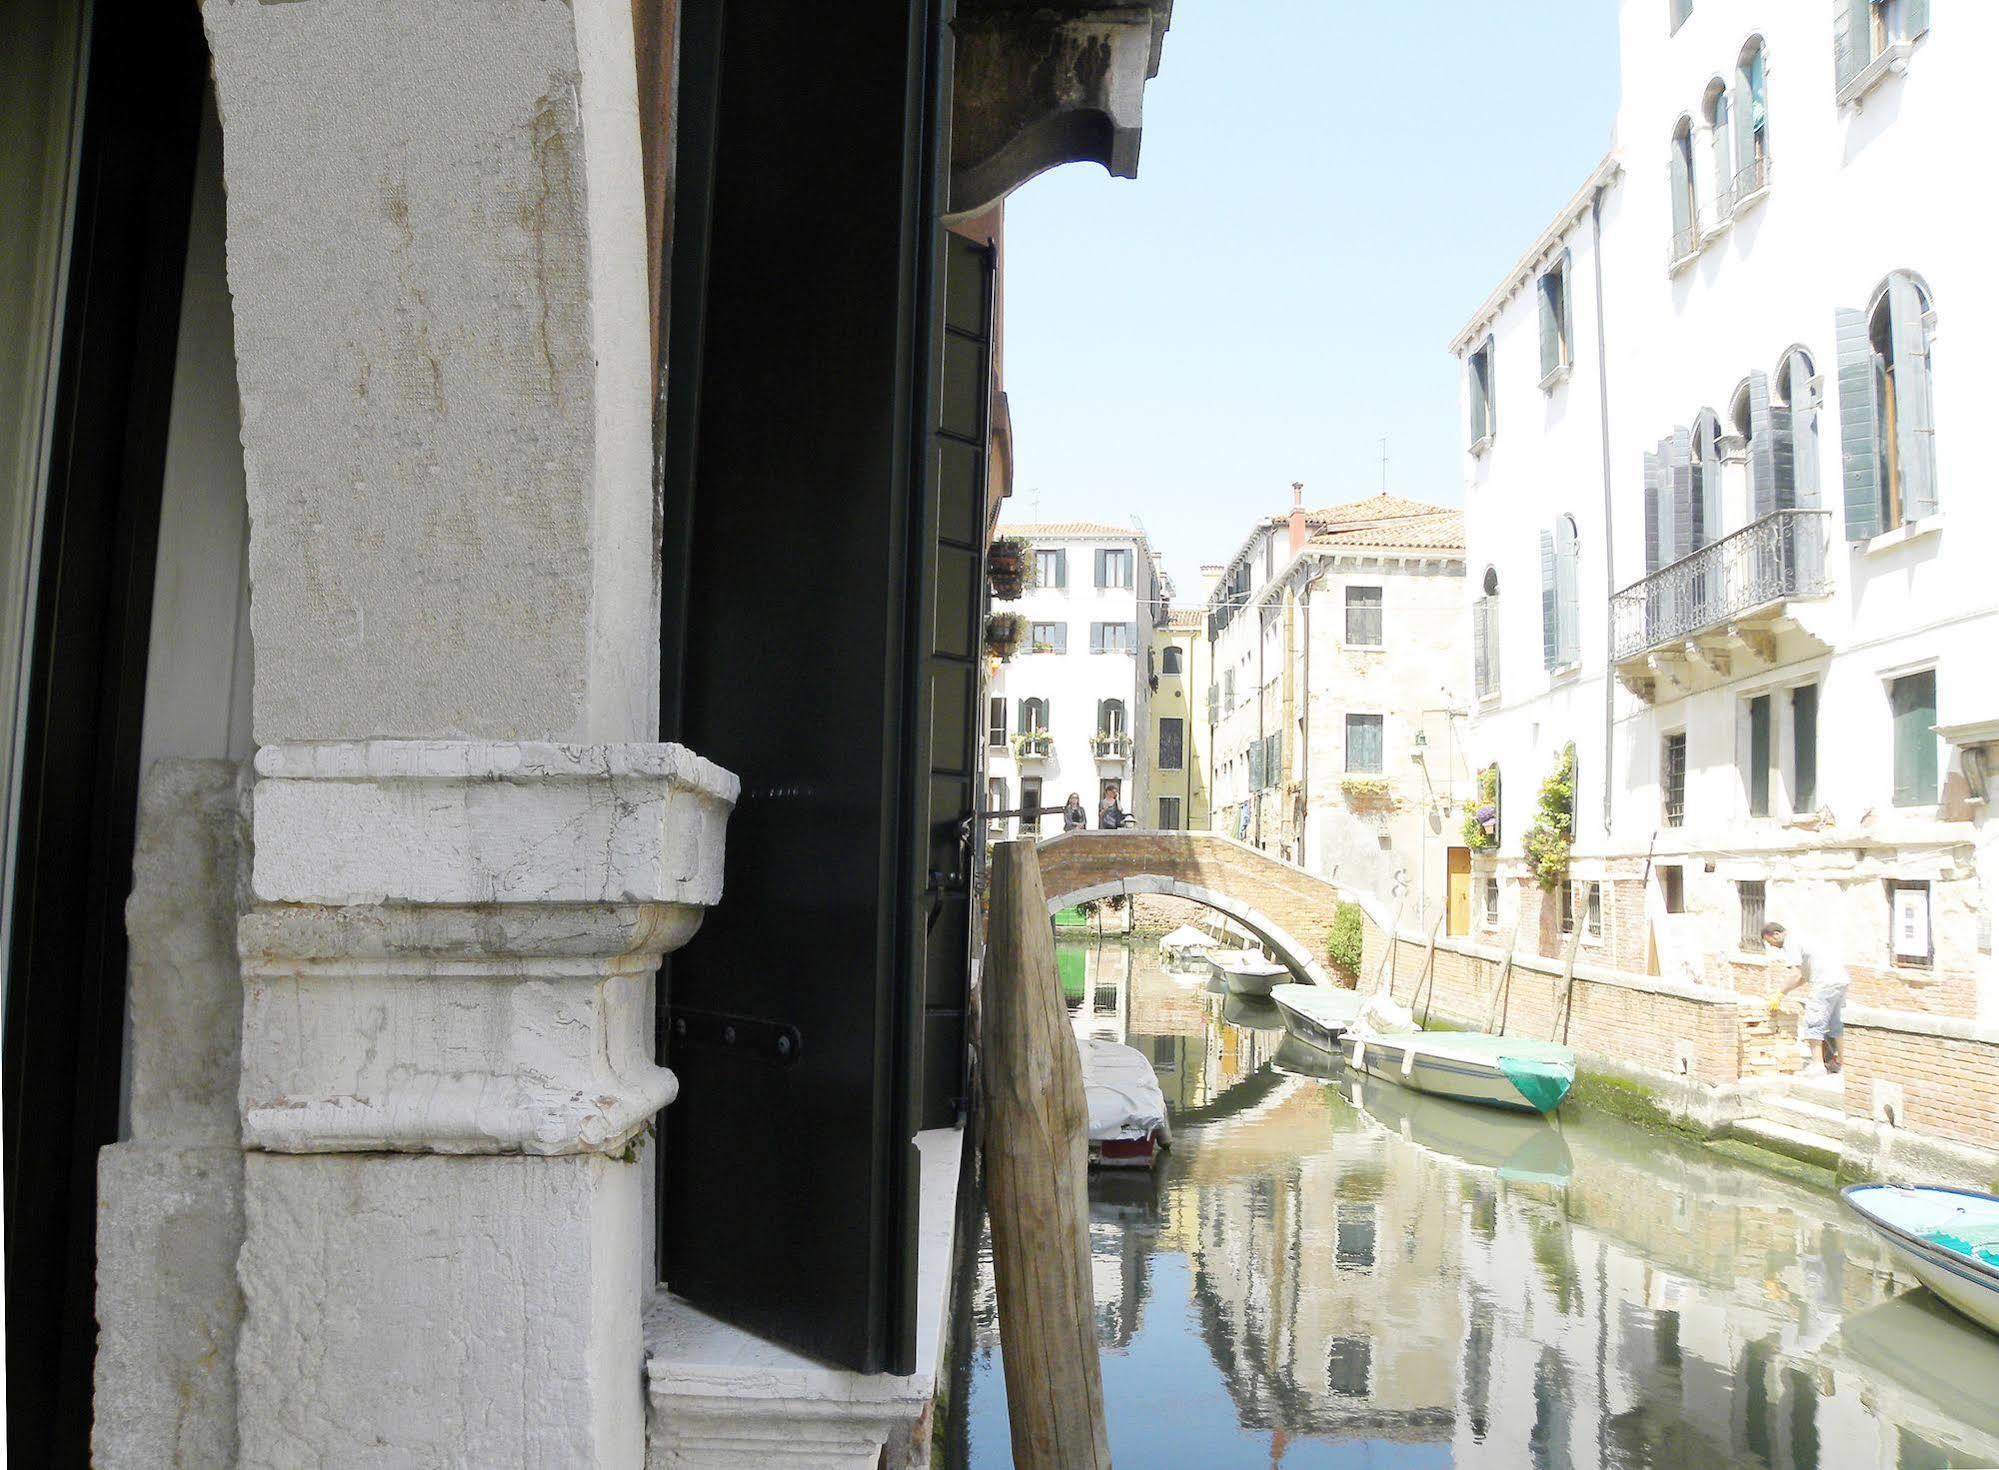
1485, 637
1110, 717
1714, 108
1680, 172
1751, 109
1561, 551
1033, 716
1886, 408
1169, 659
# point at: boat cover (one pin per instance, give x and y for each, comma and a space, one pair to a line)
1122, 1091
1187, 937
1543, 1083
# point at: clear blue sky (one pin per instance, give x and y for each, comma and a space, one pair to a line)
1326, 192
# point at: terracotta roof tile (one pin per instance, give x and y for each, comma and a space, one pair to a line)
1027, 531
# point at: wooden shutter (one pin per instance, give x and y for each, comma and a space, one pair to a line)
1852, 40
1804, 425
1765, 493
1550, 636
1724, 156
1742, 118
1707, 506
1915, 18
1859, 426
1479, 376
1758, 774
1913, 703
1805, 748
1481, 645
1568, 323
1657, 539
1568, 607
1915, 433
1551, 341
1678, 181
1103, 568
1679, 450
1061, 567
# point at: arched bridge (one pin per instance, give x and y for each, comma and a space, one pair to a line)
1287, 908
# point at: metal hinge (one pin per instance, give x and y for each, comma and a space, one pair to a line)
774, 1041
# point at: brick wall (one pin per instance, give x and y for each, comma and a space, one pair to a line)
1950, 1087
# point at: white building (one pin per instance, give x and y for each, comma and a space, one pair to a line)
1728, 516
1062, 714
1334, 739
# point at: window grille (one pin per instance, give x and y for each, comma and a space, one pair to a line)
1673, 779
1750, 894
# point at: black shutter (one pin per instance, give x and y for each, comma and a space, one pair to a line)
789, 1185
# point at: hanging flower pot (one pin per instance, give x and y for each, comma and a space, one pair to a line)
1006, 568
1003, 634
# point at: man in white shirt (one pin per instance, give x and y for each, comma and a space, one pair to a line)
1824, 973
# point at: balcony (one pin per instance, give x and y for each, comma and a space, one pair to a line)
1033, 745
1111, 745
1728, 600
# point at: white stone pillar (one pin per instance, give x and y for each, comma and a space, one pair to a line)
469, 856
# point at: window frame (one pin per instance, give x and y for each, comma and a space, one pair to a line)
1170, 662
1058, 561
1179, 725
996, 729
1896, 959
1752, 912
1380, 610
1101, 640
1119, 558
1554, 299
1672, 801
1484, 425
1361, 718
1059, 644
1169, 814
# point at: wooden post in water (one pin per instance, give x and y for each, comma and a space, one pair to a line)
1037, 1166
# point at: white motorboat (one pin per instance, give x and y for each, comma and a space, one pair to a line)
1246, 971
1186, 946
1127, 1110
1514, 1145
1318, 1015
1949, 1239
1497, 1071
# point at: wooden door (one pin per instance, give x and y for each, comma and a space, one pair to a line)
1458, 872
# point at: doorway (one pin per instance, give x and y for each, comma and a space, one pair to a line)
1457, 874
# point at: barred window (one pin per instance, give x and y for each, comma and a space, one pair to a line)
1673, 778
1750, 894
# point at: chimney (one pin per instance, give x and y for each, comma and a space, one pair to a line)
1297, 516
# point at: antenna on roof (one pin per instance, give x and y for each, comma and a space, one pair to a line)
1384, 464
1034, 505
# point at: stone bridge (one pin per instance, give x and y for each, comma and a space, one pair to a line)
1287, 908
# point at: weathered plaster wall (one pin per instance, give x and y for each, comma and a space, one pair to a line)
437, 256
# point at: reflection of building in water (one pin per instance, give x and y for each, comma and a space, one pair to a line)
1100, 1005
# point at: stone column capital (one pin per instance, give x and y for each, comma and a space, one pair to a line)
451, 945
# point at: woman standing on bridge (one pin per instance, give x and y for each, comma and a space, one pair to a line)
1074, 816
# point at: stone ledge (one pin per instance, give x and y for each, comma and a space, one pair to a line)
722, 1398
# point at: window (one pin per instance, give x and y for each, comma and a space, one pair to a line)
1794, 400
1354, 1237
1912, 701
1866, 37
1484, 419
996, 801
1886, 410
1752, 124
1750, 898
1033, 716
996, 721
1588, 898
1030, 805
1113, 638
1561, 553
1569, 908
1909, 938
1364, 617
1756, 779
1172, 743
1673, 887
1110, 717
1364, 743
1228, 691
1047, 637
1677, 12
1492, 903
1169, 659
1673, 778
1557, 345
1593, 911
1051, 567
1485, 638
1805, 748
1169, 814
1349, 1367
1114, 568
1680, 180
1714, 107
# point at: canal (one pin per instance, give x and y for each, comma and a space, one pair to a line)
1327, 1271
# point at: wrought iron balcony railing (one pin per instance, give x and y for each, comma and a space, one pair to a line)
1112, 745
1033, 745
1779, 557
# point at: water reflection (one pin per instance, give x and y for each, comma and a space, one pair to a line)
1332, 1271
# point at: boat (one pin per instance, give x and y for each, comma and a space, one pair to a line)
1318, 1015
1948, 1238
1520, 1147
1185, 946
1246, 971
1934, 1356
1127, 1111
1496, 1071
1250, 1012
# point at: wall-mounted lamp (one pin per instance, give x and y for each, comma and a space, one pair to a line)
1421, 752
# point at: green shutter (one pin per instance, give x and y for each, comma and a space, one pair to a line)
1568, 608
1551, 340
1549, 634
1759, 756
1915, 431
1913, 704
1679, 180
1859, 426
1766, 495
1805, 748
1852, 40
1915, 18
1656, 540
1804, 426
1707, 506
1741, 114
1680, 489
1061, 567
1724, 157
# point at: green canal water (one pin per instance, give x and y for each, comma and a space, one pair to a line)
1328, 1271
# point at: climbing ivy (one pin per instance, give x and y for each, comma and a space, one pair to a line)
1546, 843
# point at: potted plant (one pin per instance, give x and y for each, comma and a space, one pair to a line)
1031, 745
1481, 829
1112, 744
1006, 568
1004, 630
1546, 843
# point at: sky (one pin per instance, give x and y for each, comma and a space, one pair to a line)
1326, 192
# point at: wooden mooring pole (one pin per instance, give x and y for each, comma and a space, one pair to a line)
1037, 1168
